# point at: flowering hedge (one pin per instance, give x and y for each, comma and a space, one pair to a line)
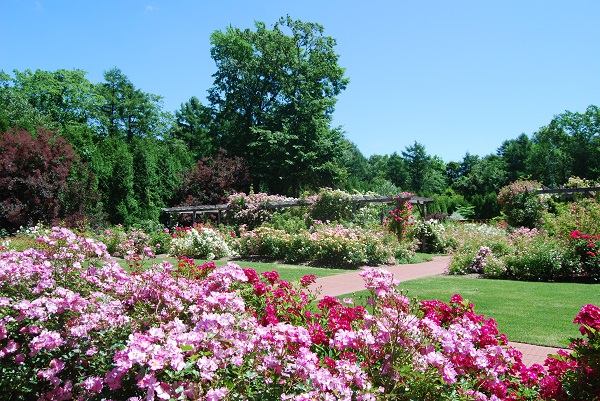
322, 243
520, 204
199, 242
587, 248
75, 325
251, 210
525, 254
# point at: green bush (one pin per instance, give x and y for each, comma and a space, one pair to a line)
333, 205
521, 205
120, 240
285, 220
538, 256
582, 216
524, 254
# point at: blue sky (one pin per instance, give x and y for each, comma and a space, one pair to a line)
455, 76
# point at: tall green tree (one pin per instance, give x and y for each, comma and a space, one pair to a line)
356, 166
397, 171
480, 183
568, 146
127, 112
113, 164
583, 130
417, 163
550, 161
62, 100
274, 94
65, 95
16, 111
194, 125
435, 181
515, 152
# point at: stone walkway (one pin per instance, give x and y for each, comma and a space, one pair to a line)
351, 282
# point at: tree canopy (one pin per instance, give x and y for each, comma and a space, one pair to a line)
274, 94
266, 124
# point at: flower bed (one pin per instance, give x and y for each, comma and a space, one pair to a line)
325, 244
199, 242
74, 325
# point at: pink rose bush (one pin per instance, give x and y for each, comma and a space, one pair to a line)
75, 325
587, 249
575, 375
400, 221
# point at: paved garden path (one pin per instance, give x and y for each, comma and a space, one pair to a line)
351, 282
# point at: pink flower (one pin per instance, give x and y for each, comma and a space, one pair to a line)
47, 339
589, 318
93, 384
307, 280
216, 394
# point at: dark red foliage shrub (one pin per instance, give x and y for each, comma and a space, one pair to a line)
212, 180
33, 175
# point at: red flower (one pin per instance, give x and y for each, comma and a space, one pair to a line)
271, 276
308, 280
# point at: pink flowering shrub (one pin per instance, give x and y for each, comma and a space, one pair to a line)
400, 221
520, 204
587, 248
120, 241
575, 375
74, 325
251, 210
478, 248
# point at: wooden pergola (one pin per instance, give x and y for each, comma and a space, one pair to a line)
420, 202
570, 192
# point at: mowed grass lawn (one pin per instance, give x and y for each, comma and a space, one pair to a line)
527, 312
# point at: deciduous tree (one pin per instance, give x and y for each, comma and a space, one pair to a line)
213, 179
33, 176
274, 93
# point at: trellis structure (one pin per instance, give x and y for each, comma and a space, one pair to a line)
570, 192
420, 202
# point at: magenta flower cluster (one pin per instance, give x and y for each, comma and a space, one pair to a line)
75, 325
400, 220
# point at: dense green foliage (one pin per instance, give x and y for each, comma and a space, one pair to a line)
270, 109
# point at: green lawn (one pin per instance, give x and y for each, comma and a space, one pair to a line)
528, 312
